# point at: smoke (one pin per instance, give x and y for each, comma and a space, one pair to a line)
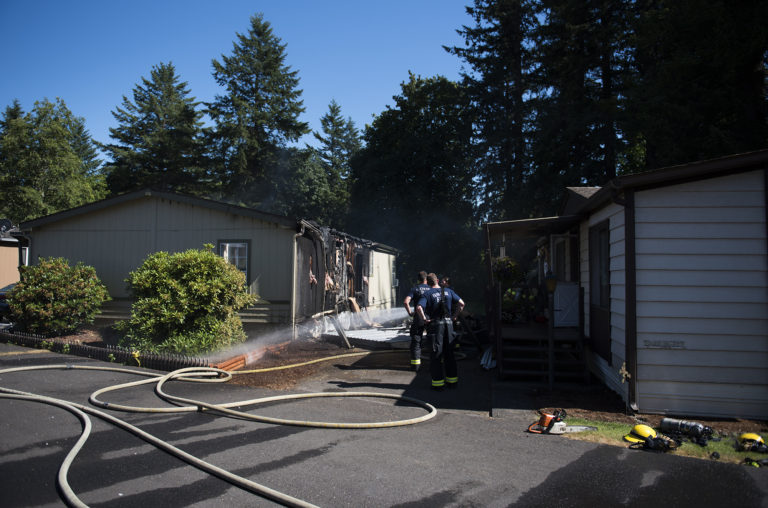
388, 317
259, 340
255, 345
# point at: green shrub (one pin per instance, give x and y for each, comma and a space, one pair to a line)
185, 303
53, 298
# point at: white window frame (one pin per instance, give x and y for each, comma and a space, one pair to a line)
225, 249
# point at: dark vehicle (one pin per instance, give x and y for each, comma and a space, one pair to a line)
5, 309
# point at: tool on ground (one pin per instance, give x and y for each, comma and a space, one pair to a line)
552, 423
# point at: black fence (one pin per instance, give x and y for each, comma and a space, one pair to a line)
157, 361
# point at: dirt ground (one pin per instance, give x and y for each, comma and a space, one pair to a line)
598, 404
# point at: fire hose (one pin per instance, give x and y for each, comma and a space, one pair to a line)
193, 374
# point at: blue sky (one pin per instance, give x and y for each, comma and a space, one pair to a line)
91, 53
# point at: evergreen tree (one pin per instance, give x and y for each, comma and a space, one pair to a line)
413, 182
158, 137
258, 114
581, 50
47, 162
11, 113
339, 143
700, 81
498, 53
298, 187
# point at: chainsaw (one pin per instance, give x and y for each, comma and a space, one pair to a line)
554, 424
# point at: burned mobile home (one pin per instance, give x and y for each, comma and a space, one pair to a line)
297, 268
355, 274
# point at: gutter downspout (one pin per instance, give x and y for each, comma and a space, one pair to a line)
294, 278
630, 297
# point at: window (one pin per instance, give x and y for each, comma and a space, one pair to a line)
600, 290
236, 252
599, 256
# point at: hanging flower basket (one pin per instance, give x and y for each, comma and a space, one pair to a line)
506, 271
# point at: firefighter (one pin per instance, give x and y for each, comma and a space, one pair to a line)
439, 307
417, 326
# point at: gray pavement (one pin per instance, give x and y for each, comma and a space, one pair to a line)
475, 452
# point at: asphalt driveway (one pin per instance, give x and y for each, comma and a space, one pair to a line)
475, 452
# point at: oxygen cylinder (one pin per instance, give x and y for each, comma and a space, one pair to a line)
685, 427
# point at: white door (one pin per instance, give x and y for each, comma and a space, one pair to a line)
566, 300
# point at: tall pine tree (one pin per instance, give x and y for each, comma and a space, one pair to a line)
700, 80
498, 52
339, 142
581, 50
257, 115
158, 138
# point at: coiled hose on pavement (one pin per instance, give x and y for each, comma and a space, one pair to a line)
198, 375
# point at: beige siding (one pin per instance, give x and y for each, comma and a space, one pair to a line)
9, 265
702, 298
116, 240
615, 215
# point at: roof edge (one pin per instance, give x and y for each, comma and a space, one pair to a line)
172, 196
671, 175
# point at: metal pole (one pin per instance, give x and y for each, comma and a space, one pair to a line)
551, 338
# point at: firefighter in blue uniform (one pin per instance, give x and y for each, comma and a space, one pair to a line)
439, 307
417, 326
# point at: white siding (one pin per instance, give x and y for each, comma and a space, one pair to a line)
608, 373
702, 298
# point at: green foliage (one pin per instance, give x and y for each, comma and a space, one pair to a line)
299, 186
185, 302
507, 270
700, 87
53, 298
583, 51
613, 433
499, 52
258, 115
159, 138
48, 162
413, 181
339, 143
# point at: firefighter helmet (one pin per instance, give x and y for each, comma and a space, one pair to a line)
750, 438
640, 433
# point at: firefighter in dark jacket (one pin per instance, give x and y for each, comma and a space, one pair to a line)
417, 326
439, 307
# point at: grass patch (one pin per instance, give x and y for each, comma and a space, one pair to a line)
613, 434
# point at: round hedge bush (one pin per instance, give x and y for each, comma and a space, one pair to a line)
53, 298
185, 302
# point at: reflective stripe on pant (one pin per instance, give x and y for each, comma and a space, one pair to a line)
442, 362
416, 349
417, 332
